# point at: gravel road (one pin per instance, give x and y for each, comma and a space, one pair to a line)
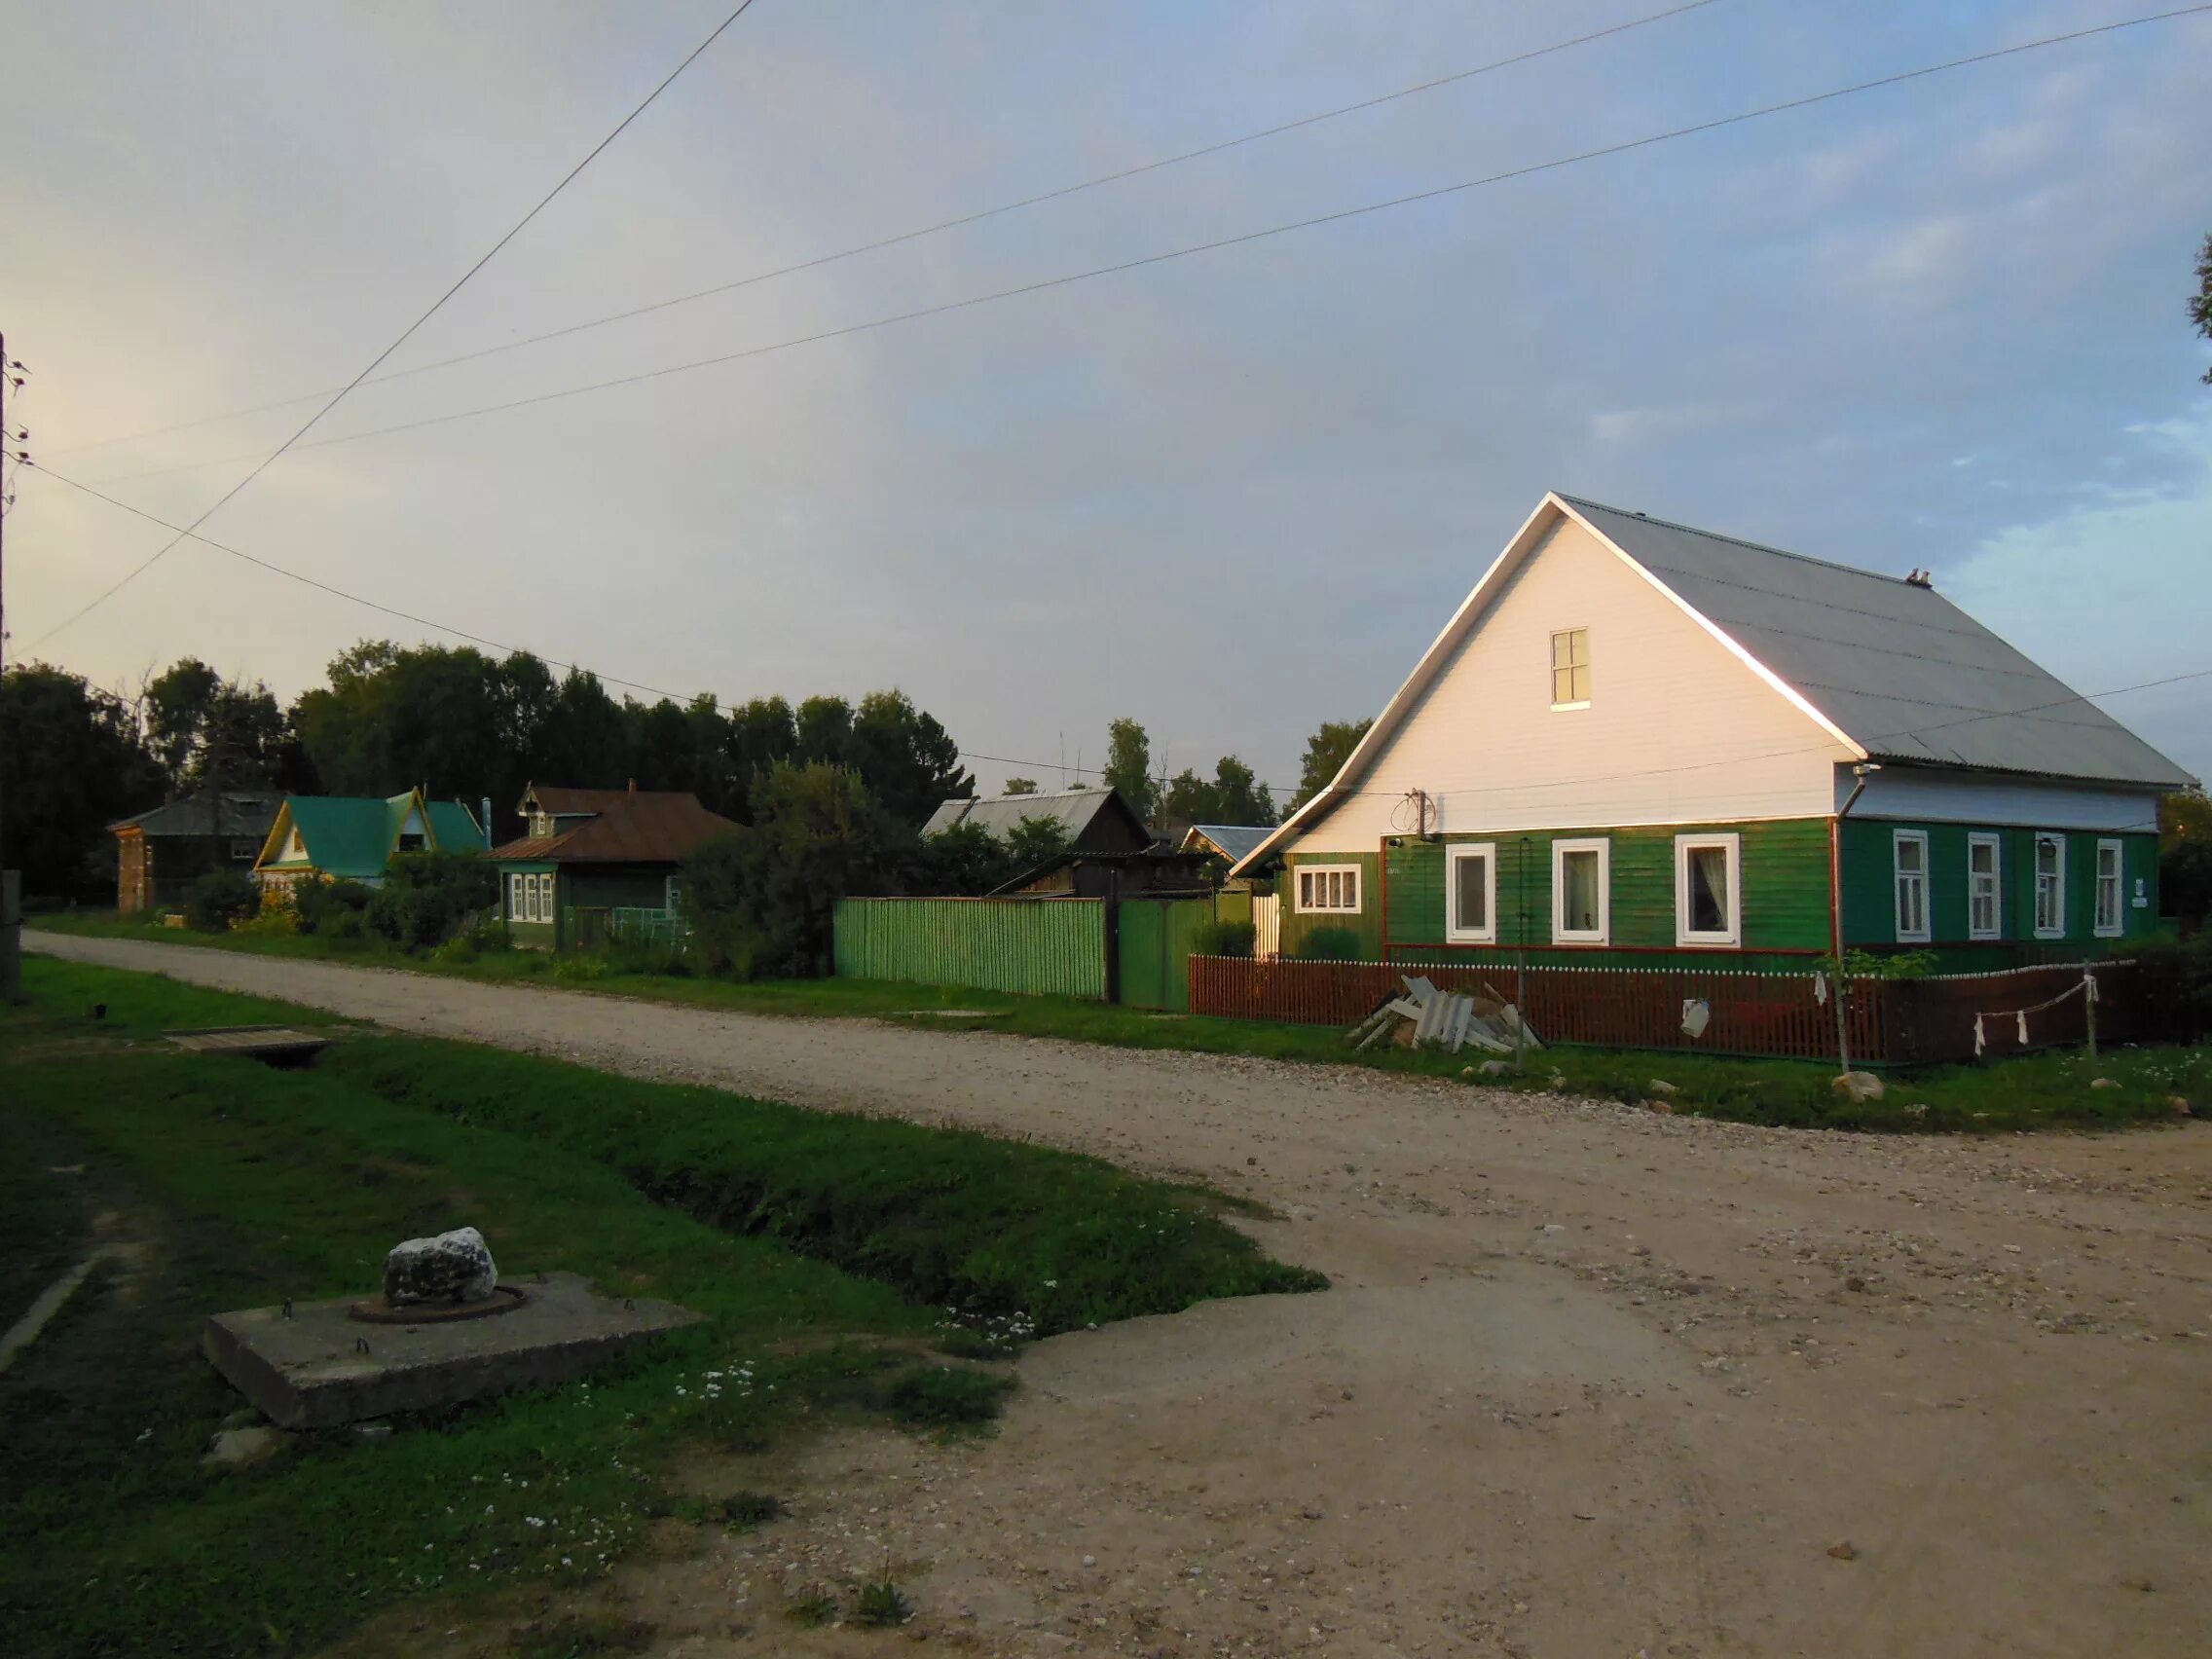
1593, 1381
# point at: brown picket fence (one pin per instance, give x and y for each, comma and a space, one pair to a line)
1766, 1013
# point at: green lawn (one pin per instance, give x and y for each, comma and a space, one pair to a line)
813, 1242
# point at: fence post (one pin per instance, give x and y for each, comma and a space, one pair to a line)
2089, 1007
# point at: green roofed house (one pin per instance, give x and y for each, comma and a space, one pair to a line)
591, 861
352, 837
1640, 744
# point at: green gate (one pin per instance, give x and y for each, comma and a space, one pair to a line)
1156, 939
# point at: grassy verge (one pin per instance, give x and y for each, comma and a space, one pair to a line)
247, 1185
2035, 1091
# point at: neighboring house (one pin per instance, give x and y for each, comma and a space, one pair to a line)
1234, 842
352, 837
1640, 743
1094, 820
160, 854
1152, 874
588, 853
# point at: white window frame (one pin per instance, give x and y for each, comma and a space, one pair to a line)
545, 897
1602, 934
1899, 875
1456, 855
1993, 877
2117, 925
243, 849
1313, 878
1731, 843
1552, 668
514, 895
2057, 839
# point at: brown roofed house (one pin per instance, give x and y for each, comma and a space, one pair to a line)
592, 861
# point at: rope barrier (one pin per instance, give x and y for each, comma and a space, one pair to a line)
2087, 985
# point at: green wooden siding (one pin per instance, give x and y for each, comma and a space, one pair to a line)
1869, 892
535, 935
1783, 876
1039, 947
1366, 925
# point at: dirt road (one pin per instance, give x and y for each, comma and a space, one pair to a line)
1594, 1382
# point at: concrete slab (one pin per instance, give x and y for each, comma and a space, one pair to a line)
322, 1367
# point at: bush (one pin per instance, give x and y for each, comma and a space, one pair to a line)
762, 899
1226, 938
220, 898
327, 908
2174, 980
426, 898
1328, 944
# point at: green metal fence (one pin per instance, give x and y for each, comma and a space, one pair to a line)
1038, 946
1156, 937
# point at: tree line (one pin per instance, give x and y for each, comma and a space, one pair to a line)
466, 725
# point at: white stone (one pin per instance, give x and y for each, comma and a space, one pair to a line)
453, 1266
235, 1448
1858, 1085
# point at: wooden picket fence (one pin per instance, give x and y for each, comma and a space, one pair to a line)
1772, 1014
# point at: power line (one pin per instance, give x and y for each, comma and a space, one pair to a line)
1217, 244
941, 225
274, 454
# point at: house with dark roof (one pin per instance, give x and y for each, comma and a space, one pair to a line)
160, 854
1091, 820
1639, 743
353, 838
588, 854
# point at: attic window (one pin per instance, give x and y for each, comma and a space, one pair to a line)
1571, 669
243, 851
412, 842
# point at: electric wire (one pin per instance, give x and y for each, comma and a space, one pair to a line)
1242, 238
958, 222
407, 333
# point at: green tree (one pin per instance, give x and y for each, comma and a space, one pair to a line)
761, 734
1129, 766
1020, 786
2184, 857
909, 762
2201, 303
1188, 799
1326, 753
72, 762
211, 732
762, 900
1238, 797
1036, 840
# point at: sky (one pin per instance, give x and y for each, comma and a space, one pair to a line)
1938, 324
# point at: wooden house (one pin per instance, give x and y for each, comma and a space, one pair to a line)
586, 854
1091, 820
352, 837
1639, 743
160, 854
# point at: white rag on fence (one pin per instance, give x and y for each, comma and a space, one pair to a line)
2088, 983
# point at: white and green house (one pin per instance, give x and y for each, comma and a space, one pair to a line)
1638, 744
593, 861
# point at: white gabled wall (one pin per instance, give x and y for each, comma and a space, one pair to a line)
1680, 729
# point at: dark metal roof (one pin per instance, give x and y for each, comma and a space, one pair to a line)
1236, 842
1074, 810
644, 827
244, 813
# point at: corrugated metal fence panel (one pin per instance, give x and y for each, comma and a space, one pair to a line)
1034, 946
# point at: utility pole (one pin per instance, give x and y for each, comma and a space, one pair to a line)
11, 881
